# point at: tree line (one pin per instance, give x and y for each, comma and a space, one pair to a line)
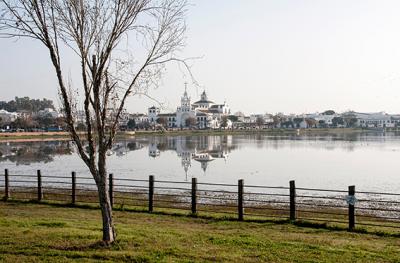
26, 104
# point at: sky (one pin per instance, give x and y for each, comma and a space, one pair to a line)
259, 56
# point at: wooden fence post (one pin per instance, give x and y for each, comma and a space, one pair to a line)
6, 185
292, 200
352, 219
73, 195
240, 199
39, 186
151, 192
111, 189
194, 195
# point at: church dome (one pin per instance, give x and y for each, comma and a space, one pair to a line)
204, 99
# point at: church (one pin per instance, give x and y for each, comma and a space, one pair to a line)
202, 114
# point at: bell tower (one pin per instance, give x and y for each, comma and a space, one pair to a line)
185, 100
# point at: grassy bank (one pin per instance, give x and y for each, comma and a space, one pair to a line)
33, 232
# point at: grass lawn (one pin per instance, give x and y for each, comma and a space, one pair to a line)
36, 232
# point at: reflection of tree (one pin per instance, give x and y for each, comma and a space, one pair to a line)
189, 142
36, 152
162, 146
29, 152
197, 146
133, 146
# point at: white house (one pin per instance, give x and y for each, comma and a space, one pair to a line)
326, 119
7, 117
139, 118
170, 119
48, 113
375, 120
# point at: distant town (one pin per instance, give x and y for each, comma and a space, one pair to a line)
30, 115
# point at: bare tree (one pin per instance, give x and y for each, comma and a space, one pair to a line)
224, 121
190, 122
96, 31
260, 121
276, 120
162, 121
311, 123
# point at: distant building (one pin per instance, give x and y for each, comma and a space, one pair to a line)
202, 114
185, 111
170, 119
48, 113
375, 120
139, 118
7, 117
152, 114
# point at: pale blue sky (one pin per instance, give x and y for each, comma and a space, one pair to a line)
262, 56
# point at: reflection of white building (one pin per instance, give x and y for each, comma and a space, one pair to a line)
186, 161
203, 159
120, 149
153, 150
204, 149
202, 114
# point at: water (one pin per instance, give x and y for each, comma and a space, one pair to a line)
368, 160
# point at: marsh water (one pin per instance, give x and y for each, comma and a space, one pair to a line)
371, 161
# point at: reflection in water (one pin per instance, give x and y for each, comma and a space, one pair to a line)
203, 149
368, 160
26, 153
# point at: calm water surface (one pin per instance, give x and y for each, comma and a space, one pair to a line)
368, 160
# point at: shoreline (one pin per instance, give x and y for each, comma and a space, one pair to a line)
50, 136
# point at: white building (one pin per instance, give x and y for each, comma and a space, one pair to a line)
7, 117
123, 118
185, 111
152, 114
375, 120
139, 118
267, 118
170, 119
326, 119
204, 114
48, 113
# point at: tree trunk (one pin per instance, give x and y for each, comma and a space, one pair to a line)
106, 212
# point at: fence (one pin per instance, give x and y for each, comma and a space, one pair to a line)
342, 207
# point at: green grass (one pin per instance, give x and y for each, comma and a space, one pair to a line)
37, 232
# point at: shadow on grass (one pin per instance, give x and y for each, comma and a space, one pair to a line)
360, 230
85, 247
211, 218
